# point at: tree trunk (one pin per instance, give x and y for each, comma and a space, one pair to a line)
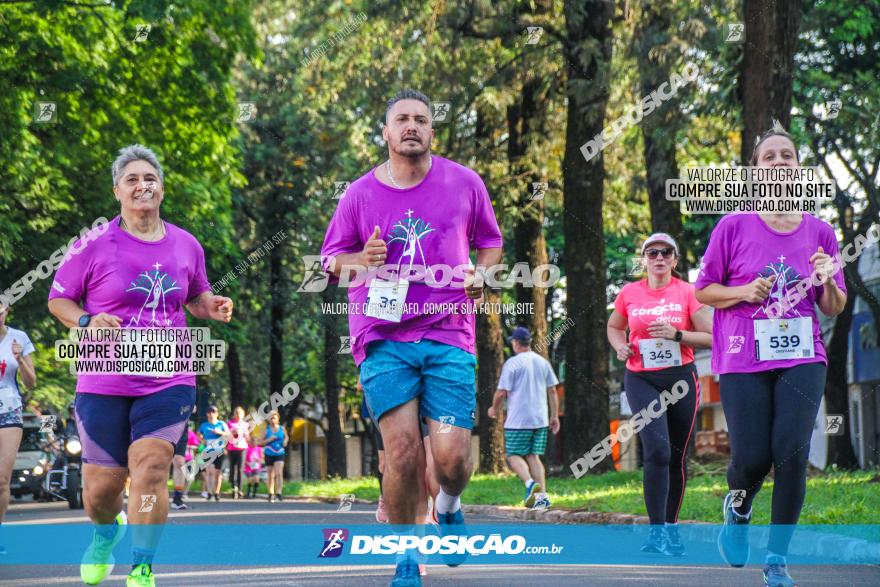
276, 330
587, 54
490, 358
771, 32
524, 122
490, 353
336, 461
233, 362
660, 127
840, 449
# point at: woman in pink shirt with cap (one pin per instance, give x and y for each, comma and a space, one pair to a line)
665, 323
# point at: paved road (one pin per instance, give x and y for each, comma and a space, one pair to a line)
301, 512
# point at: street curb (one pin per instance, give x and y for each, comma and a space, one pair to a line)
555, 516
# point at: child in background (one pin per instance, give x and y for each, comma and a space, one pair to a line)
253, 466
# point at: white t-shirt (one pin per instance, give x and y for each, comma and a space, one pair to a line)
526, 377
10, 396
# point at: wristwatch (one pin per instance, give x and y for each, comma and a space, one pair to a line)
84, 320
678, 335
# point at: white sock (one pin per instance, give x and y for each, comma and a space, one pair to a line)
446, 504
529, 481
671, 523
773, 555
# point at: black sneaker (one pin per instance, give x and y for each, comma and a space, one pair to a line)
733, 540
177, 504
280, 497
776, 574
216, 497
271, 498
674, 545
656, 542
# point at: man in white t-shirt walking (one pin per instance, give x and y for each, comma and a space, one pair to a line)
529, 384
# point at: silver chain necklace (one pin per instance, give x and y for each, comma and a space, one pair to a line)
391, 177
159, 230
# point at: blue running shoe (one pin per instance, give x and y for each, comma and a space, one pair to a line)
733, 540
532, 490
776, 574
453, 524
656, 542
407, 574
674, 545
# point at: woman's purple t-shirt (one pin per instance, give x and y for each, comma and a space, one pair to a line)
741, 249
433, 223
145, 284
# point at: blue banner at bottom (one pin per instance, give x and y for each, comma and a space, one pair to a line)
286, 544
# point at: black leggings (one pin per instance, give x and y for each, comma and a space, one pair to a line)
770, 417
235, 467
664, 439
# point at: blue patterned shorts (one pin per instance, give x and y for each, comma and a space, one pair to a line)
11, 419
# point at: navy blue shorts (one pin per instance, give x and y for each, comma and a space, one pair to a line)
109, 424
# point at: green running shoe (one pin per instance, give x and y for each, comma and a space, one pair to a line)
141, 576
97, 562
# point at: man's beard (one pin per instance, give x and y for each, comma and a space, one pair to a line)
411, 150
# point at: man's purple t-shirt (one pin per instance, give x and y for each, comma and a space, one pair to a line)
436, 222
145, 284
741, 249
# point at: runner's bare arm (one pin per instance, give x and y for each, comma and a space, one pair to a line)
25, 367
373, 254
208, 306
69, 312
486, 259
553, 403
722, 296
701, 336
616, 330
495, 408
832, 300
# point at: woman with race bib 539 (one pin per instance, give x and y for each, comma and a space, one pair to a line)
769, 354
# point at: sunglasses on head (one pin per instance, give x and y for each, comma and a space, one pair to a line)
653, 253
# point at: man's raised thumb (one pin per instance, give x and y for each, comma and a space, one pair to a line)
375, 234
821, 250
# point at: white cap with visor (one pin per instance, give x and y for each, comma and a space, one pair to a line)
660, 237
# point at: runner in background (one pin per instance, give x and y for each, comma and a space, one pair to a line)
239, 429
253, 466
182, 455
141, 272
215, 435
414, 212
192, 445
274, 442
772, 371
665, 323
529, 385
16, 358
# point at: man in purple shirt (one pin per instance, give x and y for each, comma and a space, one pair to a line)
416, 218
